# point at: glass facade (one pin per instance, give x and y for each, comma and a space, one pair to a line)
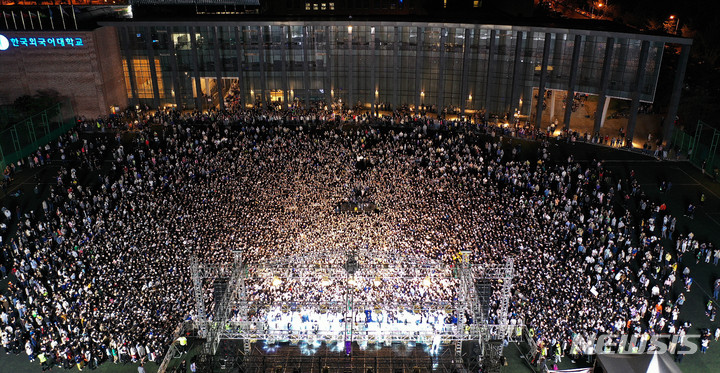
456, 67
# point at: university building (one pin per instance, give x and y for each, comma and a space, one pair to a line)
252, 56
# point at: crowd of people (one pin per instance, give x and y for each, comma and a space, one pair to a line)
102, 265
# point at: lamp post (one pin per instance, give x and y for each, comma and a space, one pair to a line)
677, 22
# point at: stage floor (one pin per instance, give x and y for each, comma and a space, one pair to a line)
303, 357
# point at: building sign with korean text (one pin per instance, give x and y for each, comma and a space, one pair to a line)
40, 42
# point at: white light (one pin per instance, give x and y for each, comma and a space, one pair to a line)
276, 281
426, 282
4, 43
349, 29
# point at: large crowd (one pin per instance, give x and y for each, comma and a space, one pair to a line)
102, 265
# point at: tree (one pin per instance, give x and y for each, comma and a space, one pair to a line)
28, 105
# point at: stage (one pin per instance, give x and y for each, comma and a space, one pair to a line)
331, 357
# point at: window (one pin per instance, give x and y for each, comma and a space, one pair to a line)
476, 4
323, 6
143, 77
307, 6
332, 6
315, 7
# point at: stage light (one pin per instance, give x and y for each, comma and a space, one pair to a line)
276, 281
426, 281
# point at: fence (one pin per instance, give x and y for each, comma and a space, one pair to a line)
24, 137
701, 148
173, 351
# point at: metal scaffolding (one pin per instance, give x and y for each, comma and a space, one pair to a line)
212, 329
233, 316
493, 333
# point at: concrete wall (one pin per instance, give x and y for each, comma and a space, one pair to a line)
90, 75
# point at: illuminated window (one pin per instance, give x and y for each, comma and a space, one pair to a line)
307, 6
476, 4
323, 6
128, 87
444, 3
332, 6
316, 7
276, 96
143, 78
